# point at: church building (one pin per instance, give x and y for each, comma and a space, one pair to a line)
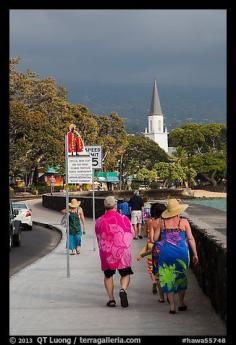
155, 129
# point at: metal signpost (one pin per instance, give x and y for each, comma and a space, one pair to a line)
67, 208
96, 156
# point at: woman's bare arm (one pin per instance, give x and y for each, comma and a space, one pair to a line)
156, 228
191, 241
142, 251
81, 213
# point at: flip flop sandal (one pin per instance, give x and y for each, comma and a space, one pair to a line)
183, 308
161, 301
111, 303
77, 252
123, 298
172, 312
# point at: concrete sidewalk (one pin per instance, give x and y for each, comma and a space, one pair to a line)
43, 301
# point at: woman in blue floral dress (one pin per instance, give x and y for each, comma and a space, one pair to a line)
173, 236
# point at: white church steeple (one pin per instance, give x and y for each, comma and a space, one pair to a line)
155, 130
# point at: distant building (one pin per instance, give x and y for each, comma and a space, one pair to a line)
155, 129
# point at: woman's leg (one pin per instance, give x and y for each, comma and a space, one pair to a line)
154, 284
171, 299
153, 279
181, 294
71, 244
161, 295
78, 244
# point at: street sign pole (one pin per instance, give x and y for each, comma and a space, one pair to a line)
94, 248
67, 208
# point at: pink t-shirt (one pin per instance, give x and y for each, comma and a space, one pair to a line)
114, 235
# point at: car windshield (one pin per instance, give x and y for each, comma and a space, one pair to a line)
19, 206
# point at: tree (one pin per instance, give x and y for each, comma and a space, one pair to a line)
142, 152
201, 148
189, 136
112, 137
212, 166
146, 175
170, 173
32, 142
215, 137
40, 115
184, 161
198, 138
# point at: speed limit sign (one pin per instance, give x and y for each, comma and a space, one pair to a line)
96, 155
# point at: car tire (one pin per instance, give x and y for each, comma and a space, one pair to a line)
24, 227
29, 227
10, 242
17, 236
17, 240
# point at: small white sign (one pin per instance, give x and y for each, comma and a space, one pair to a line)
96, 155
79, 169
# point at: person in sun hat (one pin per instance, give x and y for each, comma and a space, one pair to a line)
171, 253
75, 229
80, 213
115, 233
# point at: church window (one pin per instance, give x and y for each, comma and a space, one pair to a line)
150, 125
159, 125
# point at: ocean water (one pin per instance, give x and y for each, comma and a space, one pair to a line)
220, 204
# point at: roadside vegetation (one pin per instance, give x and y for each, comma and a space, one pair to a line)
40, 114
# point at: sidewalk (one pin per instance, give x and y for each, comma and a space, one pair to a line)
43, 301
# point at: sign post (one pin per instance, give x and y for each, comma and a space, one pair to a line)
94, 248
67, 208
96, 156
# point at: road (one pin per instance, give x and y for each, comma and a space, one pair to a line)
35, 244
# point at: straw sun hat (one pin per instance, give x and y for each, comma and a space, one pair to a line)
74, 203
110, 201
173, 208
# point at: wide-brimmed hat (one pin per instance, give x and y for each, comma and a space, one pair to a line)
74, 203
110, 201
173, 208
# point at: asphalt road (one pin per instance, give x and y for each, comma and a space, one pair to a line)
35, 244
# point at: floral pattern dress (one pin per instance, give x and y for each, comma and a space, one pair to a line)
171, 259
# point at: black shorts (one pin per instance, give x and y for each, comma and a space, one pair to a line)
123, 272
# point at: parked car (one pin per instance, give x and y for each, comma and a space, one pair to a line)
24, 214
15, 228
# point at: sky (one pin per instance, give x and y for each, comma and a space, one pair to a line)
177, 47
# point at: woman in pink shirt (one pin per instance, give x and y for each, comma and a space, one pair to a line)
114, 235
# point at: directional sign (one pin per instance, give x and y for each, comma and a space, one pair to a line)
96, 155
79, 169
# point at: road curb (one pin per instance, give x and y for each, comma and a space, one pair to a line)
52, 227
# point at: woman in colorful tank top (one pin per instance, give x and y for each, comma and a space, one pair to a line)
171, 252
75, 229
